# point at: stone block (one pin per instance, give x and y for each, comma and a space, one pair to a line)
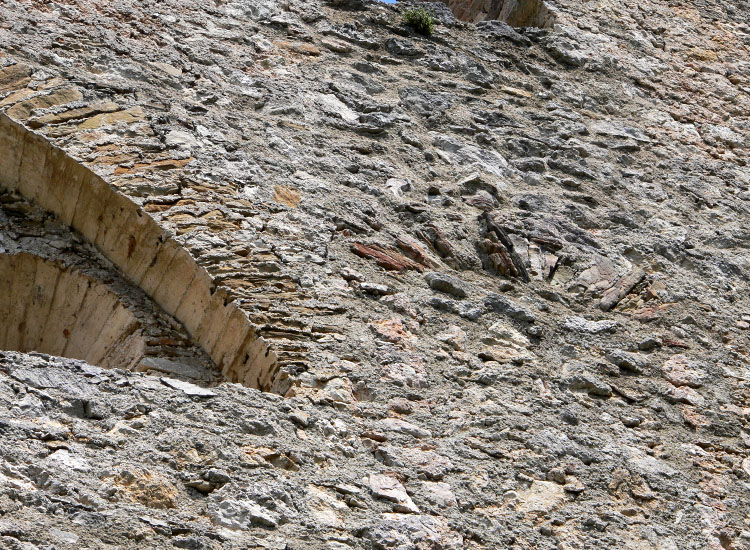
158, 268
31, 183
40, 303
7, 270
231, 338
177, 278
195, 301
69, 295
91, 317
231, 370
120, 323
63, 178
11, 150
92, 201
23, 281
127, 352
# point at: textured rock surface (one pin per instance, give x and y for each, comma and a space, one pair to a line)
505, 272
518, 13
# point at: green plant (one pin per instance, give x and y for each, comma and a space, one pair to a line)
420, 20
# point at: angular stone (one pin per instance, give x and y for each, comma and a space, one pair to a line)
542, 497
579, 324
621, 289
23, 110
128, 116
14, 77
73, 114
187, 388
680, 370
403, 427
505, 306
413, 532
446, 283
388, 488
627, 361
439, 493
388, 259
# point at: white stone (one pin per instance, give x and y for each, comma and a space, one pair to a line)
389, 488
181, 140
65, 459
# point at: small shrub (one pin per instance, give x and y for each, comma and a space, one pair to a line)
420, 20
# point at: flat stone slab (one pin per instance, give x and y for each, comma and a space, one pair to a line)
186, 387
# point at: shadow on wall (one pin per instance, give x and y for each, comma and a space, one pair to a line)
52, 309
144, 253
516, 13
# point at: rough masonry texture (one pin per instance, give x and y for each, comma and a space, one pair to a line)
60, 296
518, 13
494, 282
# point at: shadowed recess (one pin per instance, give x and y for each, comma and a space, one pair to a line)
53, 309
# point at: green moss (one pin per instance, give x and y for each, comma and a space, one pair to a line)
420, 20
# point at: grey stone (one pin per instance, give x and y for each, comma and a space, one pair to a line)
505, 306
187, 388
397, 46
266, 505
446, 283
403, 427
413, 533
627, 361
581, 325
388, 488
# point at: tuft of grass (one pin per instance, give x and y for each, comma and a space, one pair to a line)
420, 20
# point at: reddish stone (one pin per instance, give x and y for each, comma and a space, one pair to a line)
386, 258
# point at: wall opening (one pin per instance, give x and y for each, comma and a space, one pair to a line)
51, 308
141, 250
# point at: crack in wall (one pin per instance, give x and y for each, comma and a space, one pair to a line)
148, 257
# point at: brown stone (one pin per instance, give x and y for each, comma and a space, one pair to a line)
621, 288
391, 330
128, 116
298, 47
15, 97
415, 252
73, 114
148, 488
166, 164
679, 370
386, 258
23, 110
14, 77
287, 195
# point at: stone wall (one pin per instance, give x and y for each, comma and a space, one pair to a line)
133, 242
517, 13
504, 269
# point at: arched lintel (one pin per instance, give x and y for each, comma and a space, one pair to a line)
128, 237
